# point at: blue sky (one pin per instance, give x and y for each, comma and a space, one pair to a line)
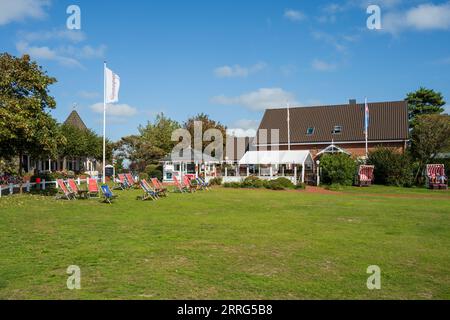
230, 59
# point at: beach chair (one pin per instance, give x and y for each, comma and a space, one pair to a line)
202, 183
108, 196
158, 186
131, 181
118, 184
93, 191
435, 177
365, 176
190, 186
64, 192
74, 188
180, 187
149, 193
123, 181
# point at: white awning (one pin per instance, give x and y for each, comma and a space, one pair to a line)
276, 157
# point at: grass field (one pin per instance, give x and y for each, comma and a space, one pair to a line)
229, 244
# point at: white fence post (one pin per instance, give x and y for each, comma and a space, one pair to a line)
28, 186
0, 191
43, 184
11, 188
79, 181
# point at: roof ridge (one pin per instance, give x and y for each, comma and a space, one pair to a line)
337, 105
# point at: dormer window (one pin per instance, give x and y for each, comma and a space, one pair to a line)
310, 131
337, 129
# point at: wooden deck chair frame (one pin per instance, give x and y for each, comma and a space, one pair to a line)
108, 195
66, 193
160, 189
93, 193
73, 187
131, 180
203, 183
148, 192
179, 186
124, 181
191, 187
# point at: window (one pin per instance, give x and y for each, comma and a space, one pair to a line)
337, 129
310, 131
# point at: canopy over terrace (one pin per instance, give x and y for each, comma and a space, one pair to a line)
278, 157
188, 162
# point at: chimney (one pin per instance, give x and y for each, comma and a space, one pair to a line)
352, 102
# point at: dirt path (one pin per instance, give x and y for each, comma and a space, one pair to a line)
319, 190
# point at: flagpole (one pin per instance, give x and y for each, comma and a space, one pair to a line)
289, 125
104, 121
367, 129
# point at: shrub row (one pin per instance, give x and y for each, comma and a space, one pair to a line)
256, 183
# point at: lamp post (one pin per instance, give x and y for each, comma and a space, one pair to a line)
318, 172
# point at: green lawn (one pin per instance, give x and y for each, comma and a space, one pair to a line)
229, 244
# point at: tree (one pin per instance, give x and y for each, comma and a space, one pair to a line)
207, 123
152, 144
430, 136
391, 167
338, 169
424, 101
25, 124
83, 143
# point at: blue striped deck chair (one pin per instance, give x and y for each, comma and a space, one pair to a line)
148, 192
107, 194
204, 185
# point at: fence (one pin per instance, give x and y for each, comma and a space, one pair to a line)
26, 187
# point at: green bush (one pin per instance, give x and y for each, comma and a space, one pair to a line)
274, 185
252, 183
286, 183
143, 176
392, 168
232, 185
154, 171
215, 182
338, 168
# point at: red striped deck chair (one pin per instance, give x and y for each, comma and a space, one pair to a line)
182, 188
435, 176
131, 180
73, 187
187, 182
159, 187
93, 190
63, 191
365, 176
124, 181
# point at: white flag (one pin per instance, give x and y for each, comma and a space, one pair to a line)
112, 86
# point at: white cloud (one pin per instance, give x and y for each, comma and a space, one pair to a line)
89, 94
331, 40
84, 52
46, 53
19, 10
241, 133
321, 65
258, 100
288, 70
238, 71
294, 15
63, 34
115, 110
423, 17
